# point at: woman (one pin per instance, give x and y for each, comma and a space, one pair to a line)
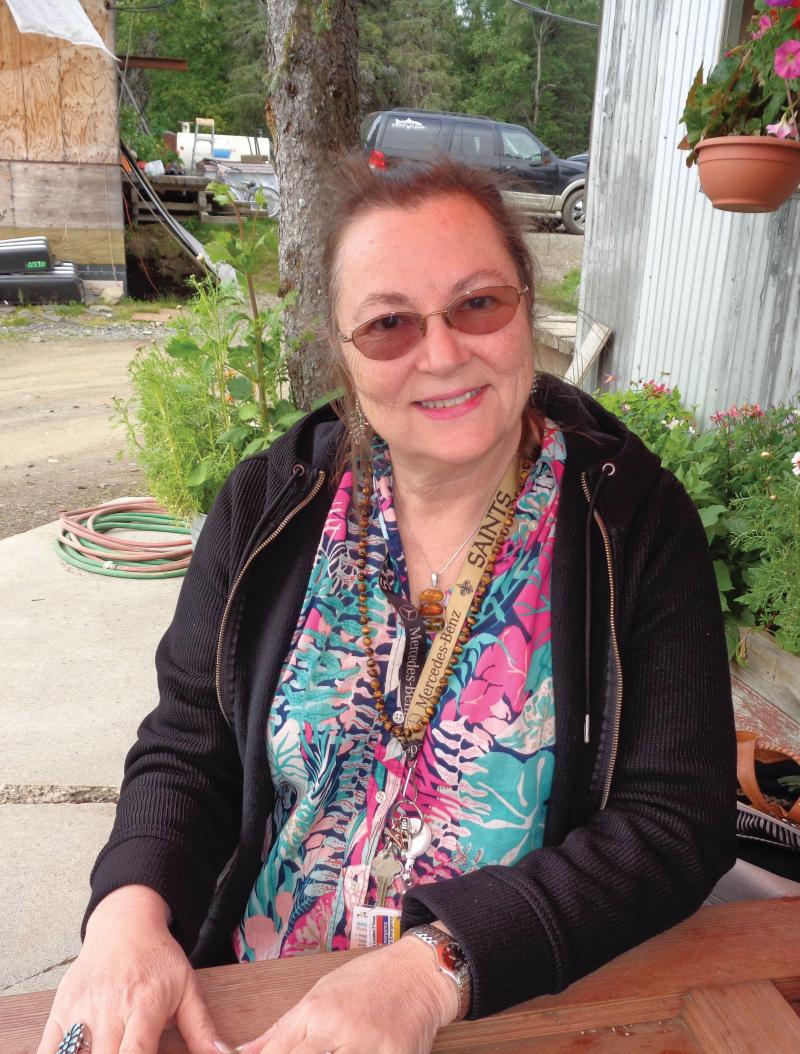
459, 663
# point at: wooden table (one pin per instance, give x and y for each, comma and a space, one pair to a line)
725, 981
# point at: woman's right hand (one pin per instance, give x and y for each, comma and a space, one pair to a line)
129, 981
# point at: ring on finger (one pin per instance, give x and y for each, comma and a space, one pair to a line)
76, 1039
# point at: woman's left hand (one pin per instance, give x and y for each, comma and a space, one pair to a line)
390, 1001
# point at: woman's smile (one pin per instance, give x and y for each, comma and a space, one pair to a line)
444, 406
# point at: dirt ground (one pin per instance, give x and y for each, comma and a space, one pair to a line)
59, 447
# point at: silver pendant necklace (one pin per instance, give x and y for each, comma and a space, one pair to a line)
435, 575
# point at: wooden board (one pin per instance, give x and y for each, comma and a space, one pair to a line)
722, 1019
13, 137
102, 18
101, 246
585, 356
757, 714
6, 197
66, 195
89, 94
89, 105
735, 962
41, 89
58, 101
771, 671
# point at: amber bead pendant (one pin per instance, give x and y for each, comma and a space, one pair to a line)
431, 607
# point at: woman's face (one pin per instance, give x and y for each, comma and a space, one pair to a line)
420, 259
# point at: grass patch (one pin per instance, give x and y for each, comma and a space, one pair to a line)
14, 320
562, 295
74, 307
120, 313
129, 306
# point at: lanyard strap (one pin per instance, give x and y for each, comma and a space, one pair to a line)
418, 687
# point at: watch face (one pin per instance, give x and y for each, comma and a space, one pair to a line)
450, 956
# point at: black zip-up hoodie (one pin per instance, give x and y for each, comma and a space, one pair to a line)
640, 823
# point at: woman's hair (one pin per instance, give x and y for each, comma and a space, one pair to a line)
355, 189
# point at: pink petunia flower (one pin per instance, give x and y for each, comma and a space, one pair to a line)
779, 3
787, 59
654, 388
784, 129
765, 25
796, 463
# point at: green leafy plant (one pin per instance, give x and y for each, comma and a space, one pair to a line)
740, 475
771, 531
755, 88
146, 145
218, 391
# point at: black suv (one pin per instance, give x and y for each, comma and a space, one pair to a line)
541, 184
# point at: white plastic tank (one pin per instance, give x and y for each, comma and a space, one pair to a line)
226, 147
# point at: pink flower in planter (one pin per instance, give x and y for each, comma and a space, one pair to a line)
796, 463
784, 129
654, 389
765, 25
779, 3
787, 59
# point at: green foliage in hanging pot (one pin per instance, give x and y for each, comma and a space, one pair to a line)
742, 121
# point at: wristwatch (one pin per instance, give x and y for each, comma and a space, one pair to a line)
450, 960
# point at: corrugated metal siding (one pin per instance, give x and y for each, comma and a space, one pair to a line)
708, 297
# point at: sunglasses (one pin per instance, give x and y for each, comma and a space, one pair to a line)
477, 312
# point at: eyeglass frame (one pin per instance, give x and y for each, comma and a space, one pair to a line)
423, 319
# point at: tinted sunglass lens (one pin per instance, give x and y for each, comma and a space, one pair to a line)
484, 310
387, 337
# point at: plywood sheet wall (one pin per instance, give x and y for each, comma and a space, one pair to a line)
57, 101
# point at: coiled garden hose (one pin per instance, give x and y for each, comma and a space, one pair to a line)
85, 540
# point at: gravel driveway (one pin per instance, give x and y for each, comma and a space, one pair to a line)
59, 448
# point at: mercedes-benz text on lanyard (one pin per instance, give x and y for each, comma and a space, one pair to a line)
418, 686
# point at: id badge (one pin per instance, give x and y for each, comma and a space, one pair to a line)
373, 927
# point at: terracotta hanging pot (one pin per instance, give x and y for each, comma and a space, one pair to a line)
749, 173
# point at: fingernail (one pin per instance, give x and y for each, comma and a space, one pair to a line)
223, 1048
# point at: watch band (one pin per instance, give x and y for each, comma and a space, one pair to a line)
450, 960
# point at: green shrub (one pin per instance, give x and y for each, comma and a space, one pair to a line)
219, 389
741, 476
771, 533
207, 399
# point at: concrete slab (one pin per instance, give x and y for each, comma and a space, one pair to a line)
78, 655
48, 852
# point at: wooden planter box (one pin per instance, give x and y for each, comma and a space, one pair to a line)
766, 689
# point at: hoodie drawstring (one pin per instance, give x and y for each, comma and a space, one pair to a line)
607, 470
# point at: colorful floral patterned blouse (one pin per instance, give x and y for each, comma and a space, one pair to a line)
484, 772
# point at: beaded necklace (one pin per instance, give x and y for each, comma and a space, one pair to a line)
401, 731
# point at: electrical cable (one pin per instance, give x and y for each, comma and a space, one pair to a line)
85, 540
145, 7
558, 18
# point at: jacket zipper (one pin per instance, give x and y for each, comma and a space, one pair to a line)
614, 644
267, 541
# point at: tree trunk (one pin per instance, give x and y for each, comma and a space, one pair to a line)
539, 34
312, 112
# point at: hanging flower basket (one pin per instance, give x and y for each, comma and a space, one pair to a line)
748, 173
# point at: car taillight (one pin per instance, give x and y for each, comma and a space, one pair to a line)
377, 159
